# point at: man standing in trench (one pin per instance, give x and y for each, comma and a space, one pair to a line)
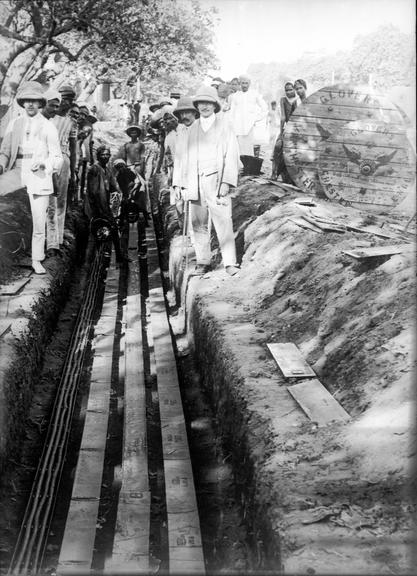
67, 133
211, 166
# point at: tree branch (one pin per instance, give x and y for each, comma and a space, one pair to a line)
26, 39
13, 13
72, 57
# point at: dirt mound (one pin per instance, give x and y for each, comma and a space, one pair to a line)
340, 493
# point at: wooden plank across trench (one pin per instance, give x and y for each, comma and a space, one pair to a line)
131, 540
184, 535
77, 547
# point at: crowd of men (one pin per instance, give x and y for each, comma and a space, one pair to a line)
50, 145
198, 144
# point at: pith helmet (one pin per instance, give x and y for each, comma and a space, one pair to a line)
184, 104
67, 90
31, 91
207, 94
133, 127
52, 94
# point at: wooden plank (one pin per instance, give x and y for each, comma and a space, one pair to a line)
289, 359
95, 430
130, 553
77, 546
13, 287
183, 520
179, 487
323, 225
375, 251
304, 224
78, 543
317, 402
88, 474
4, 326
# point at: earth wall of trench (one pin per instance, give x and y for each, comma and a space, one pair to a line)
30, 316
336, 499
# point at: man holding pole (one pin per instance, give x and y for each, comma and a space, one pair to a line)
211, 167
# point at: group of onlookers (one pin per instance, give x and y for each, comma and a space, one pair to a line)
295, 94
198, 143
50, 145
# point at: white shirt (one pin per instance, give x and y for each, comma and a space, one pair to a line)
207, 123
246, 108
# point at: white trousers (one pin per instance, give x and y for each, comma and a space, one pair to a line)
221, 216
246, 143
39, 208
58, 208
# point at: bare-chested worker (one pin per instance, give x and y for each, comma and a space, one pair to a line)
133, 152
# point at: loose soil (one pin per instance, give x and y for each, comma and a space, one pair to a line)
332, 500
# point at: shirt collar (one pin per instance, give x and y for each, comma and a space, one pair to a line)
207, 123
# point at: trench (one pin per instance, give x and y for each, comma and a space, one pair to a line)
232, 539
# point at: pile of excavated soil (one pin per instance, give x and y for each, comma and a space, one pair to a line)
338, 498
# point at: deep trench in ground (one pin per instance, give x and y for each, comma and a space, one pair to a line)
227, 539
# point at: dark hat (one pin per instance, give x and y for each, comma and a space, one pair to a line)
133, 127
66, 90
185, 103
92, 119
31, 91
207, 94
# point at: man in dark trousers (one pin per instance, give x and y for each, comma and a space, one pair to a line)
101, 183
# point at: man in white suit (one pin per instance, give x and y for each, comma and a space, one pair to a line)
31, 145
211, 168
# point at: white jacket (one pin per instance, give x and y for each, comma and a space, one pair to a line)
38, 138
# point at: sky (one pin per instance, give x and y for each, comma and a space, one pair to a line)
251, 31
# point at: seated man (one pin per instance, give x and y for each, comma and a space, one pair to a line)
100, 185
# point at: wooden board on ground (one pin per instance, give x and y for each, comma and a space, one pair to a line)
131, 540
323, 225
304, 224
4, 326
317, 402
13, 287
77, 546
323, 114
181, 502
362, 166
376, 251
290, 360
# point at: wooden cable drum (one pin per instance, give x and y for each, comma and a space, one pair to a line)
319, 118
367, 164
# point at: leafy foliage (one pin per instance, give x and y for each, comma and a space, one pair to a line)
147, 38
387, 55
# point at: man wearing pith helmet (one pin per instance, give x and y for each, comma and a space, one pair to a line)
31, 147
186, 113
211, 175
133, 152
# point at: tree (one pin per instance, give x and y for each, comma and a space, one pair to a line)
150, 38
387, 54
